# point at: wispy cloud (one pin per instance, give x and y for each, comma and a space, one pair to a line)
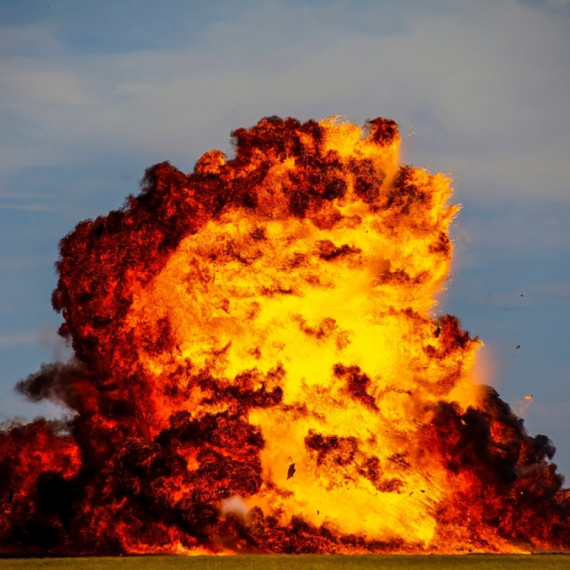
504, 300
466, 101
555, 7
19, 339
33, 207
555, 293
11, 263
23, 195
46, 338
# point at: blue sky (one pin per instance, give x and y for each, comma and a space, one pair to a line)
92, 93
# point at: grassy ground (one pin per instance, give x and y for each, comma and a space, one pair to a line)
295, 562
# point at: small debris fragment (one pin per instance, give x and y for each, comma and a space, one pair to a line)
522, 295
517, 346
530, 397
10, 495
291, 471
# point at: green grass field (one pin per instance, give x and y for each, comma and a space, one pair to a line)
294, 562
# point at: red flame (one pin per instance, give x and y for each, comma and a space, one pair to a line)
257, 369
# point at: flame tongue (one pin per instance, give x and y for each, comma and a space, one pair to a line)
257, 369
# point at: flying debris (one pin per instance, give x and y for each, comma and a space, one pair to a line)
530, 397
273, 305
517, 346
291, 471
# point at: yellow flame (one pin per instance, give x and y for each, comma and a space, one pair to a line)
266, 293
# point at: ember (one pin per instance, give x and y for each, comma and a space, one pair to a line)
271, 308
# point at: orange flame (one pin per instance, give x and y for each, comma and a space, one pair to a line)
258, 369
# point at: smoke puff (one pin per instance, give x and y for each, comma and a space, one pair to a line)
55, 381
235, 505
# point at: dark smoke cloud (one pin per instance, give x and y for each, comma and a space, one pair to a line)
55, 382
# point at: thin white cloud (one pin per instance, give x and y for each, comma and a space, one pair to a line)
555, 293
485, 86
23, 195
557, 3
33, 207
16, 340
505, 300
47, 338
21, 262
37, 40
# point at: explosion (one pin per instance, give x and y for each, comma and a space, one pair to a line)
257, 368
